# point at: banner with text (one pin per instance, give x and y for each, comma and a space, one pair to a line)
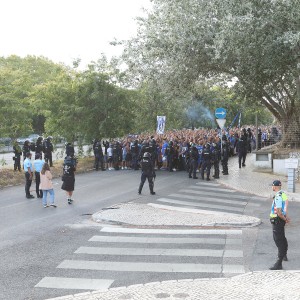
161, 122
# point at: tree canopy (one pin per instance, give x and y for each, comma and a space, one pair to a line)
256, 43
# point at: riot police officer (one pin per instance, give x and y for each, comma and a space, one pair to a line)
48, 149
39, 147
26, 149
153, 151
194, 156
170, 152
135, 155
98, 153
70, 151
117, 155
17, 157
216, 156
206, 161
68, 178
259, 134
242, 147
147, 173
225, 155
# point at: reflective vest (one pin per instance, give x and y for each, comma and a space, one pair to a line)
279, 199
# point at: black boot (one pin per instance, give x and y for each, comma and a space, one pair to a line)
277, 265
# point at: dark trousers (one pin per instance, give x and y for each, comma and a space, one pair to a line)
280, 239
99, 161
27, 184
39, 193
134, 163
205, 165
17, 164
242, 157
150, 180
48, 158
225, 166
217, 169
170, 159
193, 168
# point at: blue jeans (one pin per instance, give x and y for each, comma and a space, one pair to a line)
45, 192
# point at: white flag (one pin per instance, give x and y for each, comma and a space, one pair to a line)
161, 122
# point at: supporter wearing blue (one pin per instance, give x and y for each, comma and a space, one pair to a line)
38, 165
28, 169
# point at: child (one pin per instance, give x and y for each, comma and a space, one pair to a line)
46, 185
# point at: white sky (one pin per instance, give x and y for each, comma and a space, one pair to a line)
63, 30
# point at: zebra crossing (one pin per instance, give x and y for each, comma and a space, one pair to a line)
124, 256
206, 196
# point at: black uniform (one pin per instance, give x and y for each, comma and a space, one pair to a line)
216, 156
242, 147
170, 152
117, 155
194, 157
135, 155
225, 155
249, 140
206, 161
147, 173
70, 151
17, 157
98, 153
39, 147
48, 149
259, 139
25, 149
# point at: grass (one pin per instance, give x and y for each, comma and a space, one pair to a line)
9, 177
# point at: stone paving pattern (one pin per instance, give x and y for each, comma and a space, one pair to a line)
271, 285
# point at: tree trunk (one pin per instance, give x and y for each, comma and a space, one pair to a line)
291, 130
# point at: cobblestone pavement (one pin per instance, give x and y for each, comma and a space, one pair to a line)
254, 285
145, 215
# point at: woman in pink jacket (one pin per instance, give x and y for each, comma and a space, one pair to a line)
46, 185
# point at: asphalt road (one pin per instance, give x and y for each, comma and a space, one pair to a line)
38, 245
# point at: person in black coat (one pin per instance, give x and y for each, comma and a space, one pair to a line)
147, 173
194, 157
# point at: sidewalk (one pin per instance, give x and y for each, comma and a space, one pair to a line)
253, 285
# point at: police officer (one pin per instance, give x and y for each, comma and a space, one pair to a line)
278, 219
28, 169
117, 155
170, 152
153, 151
134, 148
259, 134
216, 156
70, 151
147, 173
249, 139
39, 147
98, 153
48, 149
242, 147
206, 161
225, 155
68, 178
17, 157
26, 149
194, 156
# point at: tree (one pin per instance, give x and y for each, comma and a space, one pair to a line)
254, 42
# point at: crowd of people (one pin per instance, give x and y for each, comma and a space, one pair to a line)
179, 150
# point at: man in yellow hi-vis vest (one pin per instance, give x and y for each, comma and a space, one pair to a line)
278, 219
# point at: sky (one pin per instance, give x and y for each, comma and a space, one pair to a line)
64, 30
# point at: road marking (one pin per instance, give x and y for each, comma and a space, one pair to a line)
210, 188
206, 205
192, 210
209, 199
167, 240
233, 269
159, 252
214, 194
172, 231
74, 283
208, 184
147, 267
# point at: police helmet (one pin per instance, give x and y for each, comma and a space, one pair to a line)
49, 138
147, 155
171, 143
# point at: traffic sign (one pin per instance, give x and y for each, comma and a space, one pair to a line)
220, 113
221, 122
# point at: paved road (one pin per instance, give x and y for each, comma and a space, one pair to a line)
55, 252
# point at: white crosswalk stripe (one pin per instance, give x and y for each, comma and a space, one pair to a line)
155, 251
